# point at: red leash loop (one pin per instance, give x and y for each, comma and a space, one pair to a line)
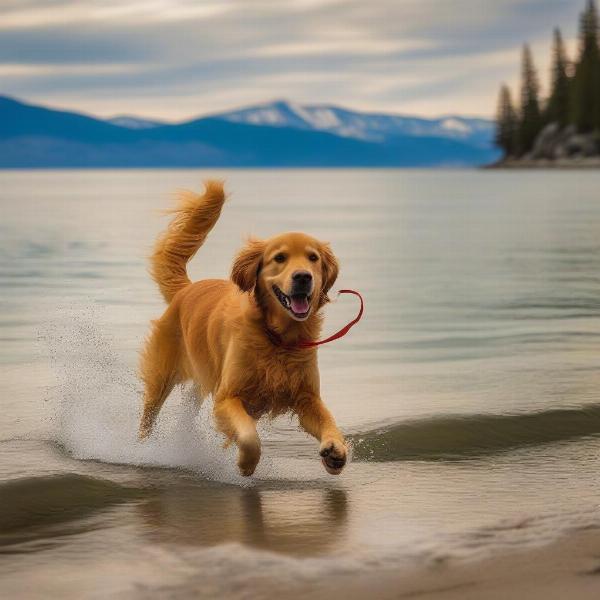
343, 331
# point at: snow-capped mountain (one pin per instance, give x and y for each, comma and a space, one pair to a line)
268, 136
375, 127
134, 122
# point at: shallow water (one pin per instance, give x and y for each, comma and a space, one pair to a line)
470, 390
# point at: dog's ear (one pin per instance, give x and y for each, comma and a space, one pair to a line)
247, 264
330, 267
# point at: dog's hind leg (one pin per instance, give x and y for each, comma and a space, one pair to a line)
159, 369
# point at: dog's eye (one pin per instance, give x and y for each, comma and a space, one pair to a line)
279, 258
313, 257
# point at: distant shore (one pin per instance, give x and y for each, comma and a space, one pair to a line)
592, 162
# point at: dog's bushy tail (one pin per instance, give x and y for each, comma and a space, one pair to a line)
195, 216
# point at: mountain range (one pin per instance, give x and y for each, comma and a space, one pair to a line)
277, 134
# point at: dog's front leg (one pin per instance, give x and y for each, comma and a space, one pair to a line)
316, 419
233, 420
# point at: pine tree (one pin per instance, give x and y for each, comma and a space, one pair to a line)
531, 122
585, 105
557, 109
506, 123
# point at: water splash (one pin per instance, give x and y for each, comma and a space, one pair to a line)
96, 406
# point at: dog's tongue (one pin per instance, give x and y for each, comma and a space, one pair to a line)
299, 304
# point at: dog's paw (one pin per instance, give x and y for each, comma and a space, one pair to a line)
248, 456
333, 455
247, 471
247, 465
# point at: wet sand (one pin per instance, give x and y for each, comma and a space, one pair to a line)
567, 568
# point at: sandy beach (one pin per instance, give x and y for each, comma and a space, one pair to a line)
567, 568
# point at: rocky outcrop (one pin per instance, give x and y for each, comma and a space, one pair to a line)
559, 147
556, 143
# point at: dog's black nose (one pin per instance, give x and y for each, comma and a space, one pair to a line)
302, 277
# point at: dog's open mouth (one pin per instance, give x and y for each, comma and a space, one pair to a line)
297, 304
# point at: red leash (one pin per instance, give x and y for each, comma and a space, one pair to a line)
343, 331
336, 336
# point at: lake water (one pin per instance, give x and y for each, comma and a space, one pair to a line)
470, 390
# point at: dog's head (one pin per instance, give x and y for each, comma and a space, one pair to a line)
291, 272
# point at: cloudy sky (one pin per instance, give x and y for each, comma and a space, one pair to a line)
174, 59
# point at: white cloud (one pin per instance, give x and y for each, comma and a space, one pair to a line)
349, 47
178, 58
40, 14
34, 70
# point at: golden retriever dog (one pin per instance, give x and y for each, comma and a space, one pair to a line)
236, 338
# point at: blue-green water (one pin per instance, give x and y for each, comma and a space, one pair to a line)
470, 389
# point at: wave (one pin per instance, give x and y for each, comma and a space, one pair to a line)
53, 505
458, 437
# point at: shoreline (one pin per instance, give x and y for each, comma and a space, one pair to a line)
543, 163
566, 567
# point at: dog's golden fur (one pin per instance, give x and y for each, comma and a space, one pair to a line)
221, 333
